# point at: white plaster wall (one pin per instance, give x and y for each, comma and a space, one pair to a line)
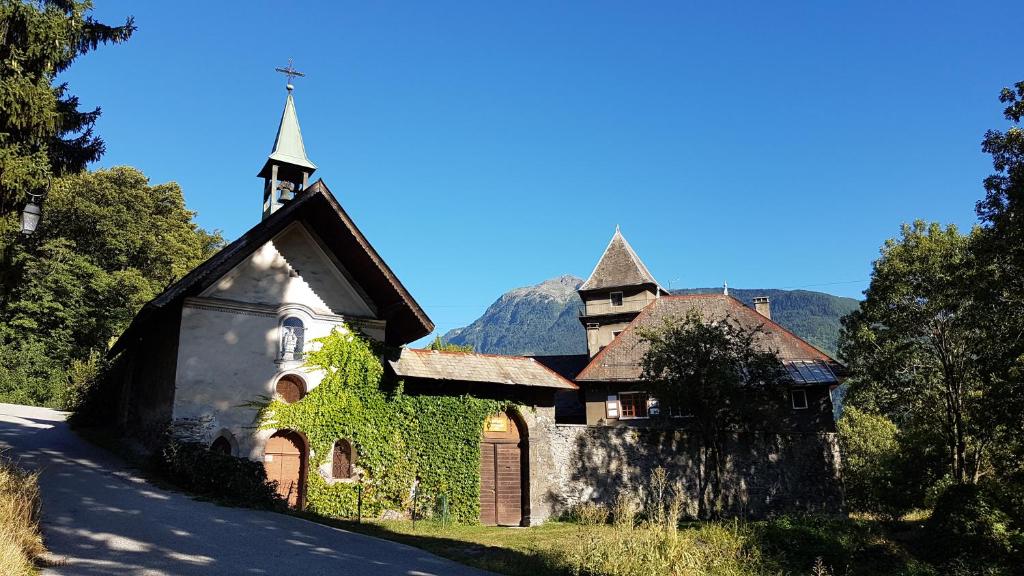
229, 343
293, 268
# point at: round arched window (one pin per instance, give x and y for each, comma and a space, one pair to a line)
292, 338
290, 388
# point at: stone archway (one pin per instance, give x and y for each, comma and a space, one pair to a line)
504, 477
284, 459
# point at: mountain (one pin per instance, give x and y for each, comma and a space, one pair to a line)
542, 319
529, 321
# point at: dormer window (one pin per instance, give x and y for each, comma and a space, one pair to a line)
616, 298
292, 338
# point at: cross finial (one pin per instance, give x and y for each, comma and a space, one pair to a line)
290, 72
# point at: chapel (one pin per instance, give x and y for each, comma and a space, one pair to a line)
239, 327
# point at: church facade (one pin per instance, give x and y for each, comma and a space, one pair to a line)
238, 327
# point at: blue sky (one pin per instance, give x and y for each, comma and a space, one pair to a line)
482, 146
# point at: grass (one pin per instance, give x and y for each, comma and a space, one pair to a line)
21, 544
822, 546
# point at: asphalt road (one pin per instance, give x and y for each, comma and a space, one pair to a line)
98, 517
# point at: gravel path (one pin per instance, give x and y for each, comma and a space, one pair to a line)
99, 517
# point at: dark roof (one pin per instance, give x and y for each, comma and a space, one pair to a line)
618, 267
319, 209
567, 366
620, 360
473, 367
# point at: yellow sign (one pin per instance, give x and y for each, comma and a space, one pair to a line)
497, 423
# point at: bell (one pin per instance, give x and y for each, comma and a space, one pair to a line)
287, 191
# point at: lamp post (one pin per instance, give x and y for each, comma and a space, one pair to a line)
30, 215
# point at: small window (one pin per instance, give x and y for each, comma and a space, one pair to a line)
799, 399
633, 405
221, 445
292, 337
593, 325
290, 389
342, 464
616, 298
615, 334
611, 407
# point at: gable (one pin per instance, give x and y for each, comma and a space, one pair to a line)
293, 268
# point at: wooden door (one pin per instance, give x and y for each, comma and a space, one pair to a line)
284, 460
501, 477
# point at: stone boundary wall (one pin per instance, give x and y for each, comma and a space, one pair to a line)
765, 473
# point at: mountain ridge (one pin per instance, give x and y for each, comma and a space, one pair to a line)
542, 319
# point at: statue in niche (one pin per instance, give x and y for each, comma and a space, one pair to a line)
291, 339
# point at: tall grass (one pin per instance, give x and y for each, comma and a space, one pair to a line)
20, 540
647, 541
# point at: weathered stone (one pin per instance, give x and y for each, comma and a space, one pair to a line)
764, 473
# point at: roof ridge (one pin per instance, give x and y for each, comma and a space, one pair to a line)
748, 310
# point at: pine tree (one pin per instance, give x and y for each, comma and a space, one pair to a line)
43, 134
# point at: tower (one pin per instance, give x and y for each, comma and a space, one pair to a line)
287, 170
616, 291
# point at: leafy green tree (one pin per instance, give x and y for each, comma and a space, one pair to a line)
998, 305
443, 346
912, 344
882, 468
724, 380
42, 132
109, 243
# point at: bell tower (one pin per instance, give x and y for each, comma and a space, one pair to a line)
287, 170
616, 291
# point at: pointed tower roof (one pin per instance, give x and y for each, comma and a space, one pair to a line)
619, 266
289, 151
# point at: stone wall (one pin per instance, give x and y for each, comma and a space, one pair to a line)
765, 473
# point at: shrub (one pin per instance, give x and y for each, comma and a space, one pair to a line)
20, 541
968, 529
193, 467
82, 376
873, 465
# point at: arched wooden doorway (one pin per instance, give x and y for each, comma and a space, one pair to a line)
285, 461
503, 477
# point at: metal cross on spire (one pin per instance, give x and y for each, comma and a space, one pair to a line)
290, 72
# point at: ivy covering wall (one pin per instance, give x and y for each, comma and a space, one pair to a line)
395, 436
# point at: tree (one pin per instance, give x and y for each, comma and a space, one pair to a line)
999, 305
443, 346
110, 242
43, 134
884, 470
912, 345
722, 378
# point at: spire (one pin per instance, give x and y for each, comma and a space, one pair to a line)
619, 267
287, 169
288, 147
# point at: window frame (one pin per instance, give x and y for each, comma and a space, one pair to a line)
611, 299
792, 399
622, 411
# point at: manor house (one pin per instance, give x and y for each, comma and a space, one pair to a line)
238, 327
